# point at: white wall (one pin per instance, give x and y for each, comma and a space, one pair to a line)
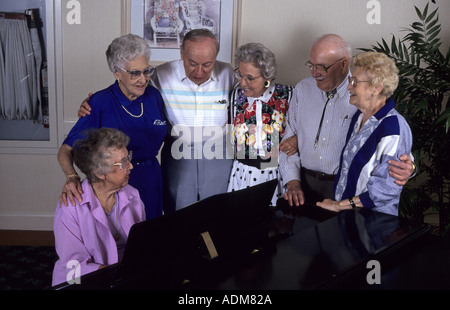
30, 184
289, 27
84, 46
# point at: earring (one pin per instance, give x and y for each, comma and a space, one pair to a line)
267, 84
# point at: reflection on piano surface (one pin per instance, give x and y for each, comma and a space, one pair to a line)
221, 244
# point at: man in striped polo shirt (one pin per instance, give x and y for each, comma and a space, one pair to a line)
195, 89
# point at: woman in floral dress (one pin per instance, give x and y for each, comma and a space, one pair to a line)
259, 109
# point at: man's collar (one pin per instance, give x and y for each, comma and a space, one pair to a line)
180, 72
342, 88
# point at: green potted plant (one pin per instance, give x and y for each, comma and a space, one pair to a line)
422, 98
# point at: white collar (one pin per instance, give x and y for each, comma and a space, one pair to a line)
264, 97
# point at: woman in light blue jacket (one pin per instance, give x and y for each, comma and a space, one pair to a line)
377, 134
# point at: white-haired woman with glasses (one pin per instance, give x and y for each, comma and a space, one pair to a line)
377, 134
132, 105
258, 111
93, 234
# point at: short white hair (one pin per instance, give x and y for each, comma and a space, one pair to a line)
126, 48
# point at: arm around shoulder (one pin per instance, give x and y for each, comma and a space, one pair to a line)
72, 187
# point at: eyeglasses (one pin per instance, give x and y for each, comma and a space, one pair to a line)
320, 68
124, 163
135, 74
249, 79
353, 81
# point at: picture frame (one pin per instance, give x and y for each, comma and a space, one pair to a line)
139, 22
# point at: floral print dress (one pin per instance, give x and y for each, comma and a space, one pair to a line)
258, 127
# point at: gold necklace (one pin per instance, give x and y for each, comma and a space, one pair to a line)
136, 116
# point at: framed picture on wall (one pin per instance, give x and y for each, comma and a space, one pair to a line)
163, 23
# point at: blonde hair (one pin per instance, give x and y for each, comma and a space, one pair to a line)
380, 68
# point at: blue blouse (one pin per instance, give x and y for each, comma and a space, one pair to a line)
146, 134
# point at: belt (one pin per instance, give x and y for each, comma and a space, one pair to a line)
254, 162
319, 175
149, 162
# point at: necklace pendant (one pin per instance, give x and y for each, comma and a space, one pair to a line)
116, 237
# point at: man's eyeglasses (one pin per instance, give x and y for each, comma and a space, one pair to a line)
135, 74
249, 79
353, 81
320, 68
124, 163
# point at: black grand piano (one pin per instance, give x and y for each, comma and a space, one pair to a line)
235, 241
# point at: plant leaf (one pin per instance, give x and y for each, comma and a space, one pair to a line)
418, 26
432, 23
385, 45
425, 12
445, 117
394, 46
436, 29
418, 12
432, 36
400, 48
434, 45
430, 16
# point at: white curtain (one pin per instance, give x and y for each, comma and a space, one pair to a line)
2, 75
37, 52
18, 72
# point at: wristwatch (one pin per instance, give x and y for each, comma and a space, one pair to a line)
352, 203
414, 170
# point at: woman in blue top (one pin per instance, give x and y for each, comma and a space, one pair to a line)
134, 107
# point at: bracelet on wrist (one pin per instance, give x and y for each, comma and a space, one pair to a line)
72, 176
352, 203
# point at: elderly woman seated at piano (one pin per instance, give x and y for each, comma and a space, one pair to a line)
93, 233
377, 133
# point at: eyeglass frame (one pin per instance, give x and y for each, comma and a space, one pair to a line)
312, 66
249, 79
354, 81
124, 163
135, 72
